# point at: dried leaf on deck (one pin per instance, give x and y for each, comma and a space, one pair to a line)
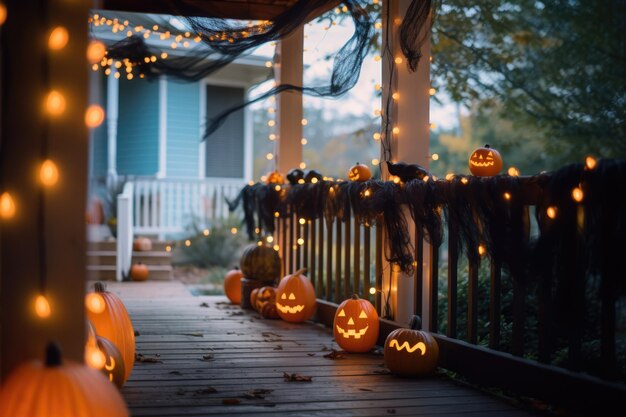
297, 378
365, 389
336, 354
310, 354
259, 393
207, 390
193, 334
326, 349
382, 371
175, 373
207, 357
235, 313
230, 401
204, 304
278, 347
146, 359
270, 334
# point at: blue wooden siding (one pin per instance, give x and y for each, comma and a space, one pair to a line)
138, 127
99, 139
183, 127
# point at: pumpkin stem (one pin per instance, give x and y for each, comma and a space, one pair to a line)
99, 287
300, 271
53, 355
487, 145
415, 323
355, 297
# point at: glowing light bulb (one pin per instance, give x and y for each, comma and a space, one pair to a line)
507, 196
168, 248
464, 180
375, 162
206, 232
187, 242
272, 136
376, 136
55, 103
514, 172
432, 91
366, 193
95, 51
551, 212
233, 230
300, 241
314, 180
271, 123
94, 358
590, 162
277, 187
95, 303
372, 290
377, 58
269, 64
94, 116
398, 60
48, 173
270, 239
59, 37
276, 214
378, 25
396, 130
304, 122
449, 176
7, 206
482, 250
42, 307
163, 55
395, 96
577, 194
303, 141
435, 157
302, 165
276, 248
269, 156
302, 221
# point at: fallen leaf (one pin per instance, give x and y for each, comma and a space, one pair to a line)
207, 390
175, 373
204, 304
365, 389
278, 347
325, 349
146, 359
235, 313
207, 357
382, 371
310, 354
336, 354
193, 334
297, 378
259, 393
230, 401
270, 334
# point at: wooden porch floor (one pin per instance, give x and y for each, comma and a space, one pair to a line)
202, 356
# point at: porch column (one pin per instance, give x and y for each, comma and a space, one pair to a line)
288, 70
410, 114
113, 87
162, 163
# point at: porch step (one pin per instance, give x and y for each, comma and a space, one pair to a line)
107, 272
99, 257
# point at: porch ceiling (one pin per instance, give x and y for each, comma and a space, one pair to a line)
231, 9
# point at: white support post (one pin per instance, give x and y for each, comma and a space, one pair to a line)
113, 87
125, 231
410, 114
162, 170
288, 70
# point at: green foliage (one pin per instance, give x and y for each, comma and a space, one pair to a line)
220, 248
555, 67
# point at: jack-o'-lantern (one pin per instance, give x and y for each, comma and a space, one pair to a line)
253, 295
59, 388
260, 263
269, 310
275, 177
139, 272
232, 285
485, 162
264, 295
113, 367
295, 297
356, 325
109, 316
359, 172
295, 175
141, 243
411, 352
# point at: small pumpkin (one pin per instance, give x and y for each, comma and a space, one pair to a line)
313, 176
265, 295
253, 296
54, 388
411, 352
232, 285
359, 172
142, 244
139, 272
295, 175
275, 177
261, 263
485, 162
109, 316
113, 367
295, 297
356, 325
269, 310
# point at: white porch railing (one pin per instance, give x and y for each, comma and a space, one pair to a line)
167, 206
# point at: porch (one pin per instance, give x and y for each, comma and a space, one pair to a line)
204, 356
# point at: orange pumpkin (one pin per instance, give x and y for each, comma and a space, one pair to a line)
485, 162
359, 172
139, 272
411, 352
232, 285
111, 320
261, 263
356, 325
142, 244
253, 295
275, 177
264, 295
269, 310
295, 297
113, 367
54, 388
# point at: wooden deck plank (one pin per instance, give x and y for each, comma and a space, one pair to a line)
202, 344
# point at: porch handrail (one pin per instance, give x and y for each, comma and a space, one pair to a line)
125, 232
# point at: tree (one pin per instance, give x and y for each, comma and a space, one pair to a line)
557, 66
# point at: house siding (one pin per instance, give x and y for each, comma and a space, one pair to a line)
183, 129
138, 128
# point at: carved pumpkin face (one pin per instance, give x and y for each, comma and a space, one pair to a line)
295, 298
113, 367
264, 295
356, 325
485, 162
232, 285
359, 172
411, 352
275, 177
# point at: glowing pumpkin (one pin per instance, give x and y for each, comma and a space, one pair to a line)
139, 272
264, 295
232, 285
113, 367
253, 295
356, 325
261, 263
275, 177
54, 388
295, 297
142, 244
110, 318
359, 172
269, 310
485, 162
411, 352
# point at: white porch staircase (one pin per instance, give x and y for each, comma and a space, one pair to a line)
102, 258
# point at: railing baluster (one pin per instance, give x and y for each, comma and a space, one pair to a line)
320, 257
434, 288
519, 305
297, 245
305, 247
379, 266
347, 292
357, 259
284, 245
453, 277
338, 249
607, 323
311, 256
291, 232
329, 260
494, 304
545, 318
418, 274
366, 261
472, 299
